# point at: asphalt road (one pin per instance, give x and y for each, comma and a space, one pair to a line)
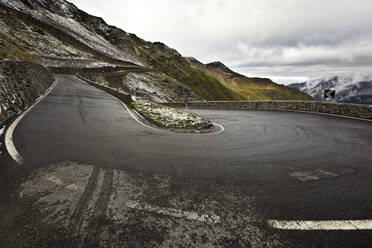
93, 176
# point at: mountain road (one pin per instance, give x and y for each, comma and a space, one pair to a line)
93, 176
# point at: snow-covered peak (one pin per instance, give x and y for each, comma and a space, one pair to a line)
354, 87
339, 83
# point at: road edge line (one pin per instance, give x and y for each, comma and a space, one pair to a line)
9, 144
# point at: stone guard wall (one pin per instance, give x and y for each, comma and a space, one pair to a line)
344, 109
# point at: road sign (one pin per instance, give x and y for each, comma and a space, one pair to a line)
329, 93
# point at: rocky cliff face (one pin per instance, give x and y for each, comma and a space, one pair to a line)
153, 86
21, 83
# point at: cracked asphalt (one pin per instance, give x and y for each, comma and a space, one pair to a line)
94, 177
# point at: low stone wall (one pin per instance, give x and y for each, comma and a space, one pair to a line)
21, 83
94, 70
344, 109
124, 97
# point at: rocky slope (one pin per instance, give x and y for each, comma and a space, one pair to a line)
58, 34
353, 88
248, 88
21, 83
150, 85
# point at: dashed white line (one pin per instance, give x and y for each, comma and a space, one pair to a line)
321, 225
9, 144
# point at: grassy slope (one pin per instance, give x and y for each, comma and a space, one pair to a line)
252, 88
164, 59
13, 47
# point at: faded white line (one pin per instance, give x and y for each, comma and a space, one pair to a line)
9, 144
313, 175
221, 128
211, 218
135, 118
321, 225
57, 181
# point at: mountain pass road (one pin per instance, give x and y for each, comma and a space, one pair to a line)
94, 177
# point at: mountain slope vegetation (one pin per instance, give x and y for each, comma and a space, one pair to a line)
58, 34
249, 88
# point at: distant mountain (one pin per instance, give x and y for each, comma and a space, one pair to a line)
353, 88
58, 34
248, 88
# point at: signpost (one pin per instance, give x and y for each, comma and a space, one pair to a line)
329, 94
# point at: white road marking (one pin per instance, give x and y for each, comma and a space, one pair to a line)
9, 133
221, 128
312, 175
211, 218
136, 118
322, 225
56, 180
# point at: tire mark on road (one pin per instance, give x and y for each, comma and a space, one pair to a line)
78, 214
105, 193
98, 223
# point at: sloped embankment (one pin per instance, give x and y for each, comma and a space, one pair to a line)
21, 83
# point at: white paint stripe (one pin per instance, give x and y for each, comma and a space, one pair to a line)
222, 129
9, 133
322, 225
57, 181
136, 119
211, 218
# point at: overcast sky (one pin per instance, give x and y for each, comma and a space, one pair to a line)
286, 40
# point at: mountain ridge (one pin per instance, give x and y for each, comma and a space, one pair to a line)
350, 88
250, 88
58, 34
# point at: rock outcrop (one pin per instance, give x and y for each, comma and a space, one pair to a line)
21, 83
